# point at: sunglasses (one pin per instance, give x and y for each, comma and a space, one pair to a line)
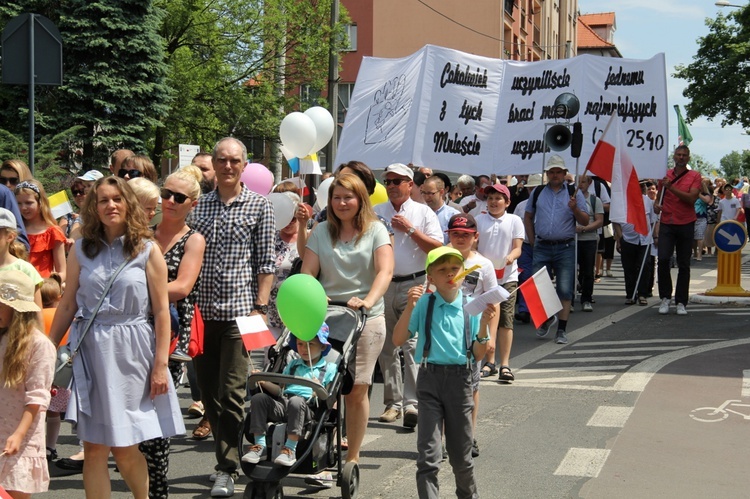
394, 181
179, 198
130, 173
9, 180
77, 193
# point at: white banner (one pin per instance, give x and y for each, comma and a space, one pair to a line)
469, 114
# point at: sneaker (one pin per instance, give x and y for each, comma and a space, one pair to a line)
390, 415
196, 409
561, 338
664, 307
681, 309
410, 418
223, 485
474, 448
180, 356
255, 454
547, 327
587, 307
51, 454
212, 476
286, 457
609, 273
324, 480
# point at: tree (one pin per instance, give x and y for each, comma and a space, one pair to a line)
719, 76
735, 164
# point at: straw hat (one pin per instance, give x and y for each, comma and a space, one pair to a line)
17, 291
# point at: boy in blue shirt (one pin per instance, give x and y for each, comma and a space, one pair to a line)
448, 342
275, 404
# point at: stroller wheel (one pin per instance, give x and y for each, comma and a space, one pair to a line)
264, 491
350, 480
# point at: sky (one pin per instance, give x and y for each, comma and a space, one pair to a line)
647, 27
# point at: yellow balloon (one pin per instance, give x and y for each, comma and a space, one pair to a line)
380, 195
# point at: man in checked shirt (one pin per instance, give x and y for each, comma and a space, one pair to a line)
236, 278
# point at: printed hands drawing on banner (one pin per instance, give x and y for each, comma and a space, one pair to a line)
387, 110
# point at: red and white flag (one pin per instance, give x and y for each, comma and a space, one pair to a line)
4, 494
541, 297
610, 161
255, 333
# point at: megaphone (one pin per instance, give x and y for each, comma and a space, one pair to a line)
558, 137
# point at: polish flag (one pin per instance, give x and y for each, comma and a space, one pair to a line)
3, 493
541, 297
255, 333
610, 161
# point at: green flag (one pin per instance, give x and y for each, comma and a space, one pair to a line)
682, 129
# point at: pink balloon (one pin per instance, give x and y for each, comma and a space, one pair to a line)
257, 178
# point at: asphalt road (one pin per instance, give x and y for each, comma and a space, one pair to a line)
615, 413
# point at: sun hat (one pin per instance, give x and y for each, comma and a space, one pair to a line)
498, 188
535, 179
91, 176
555, 161
462, 222
7, 219
440, 252
398, 169
17, 291
322, 336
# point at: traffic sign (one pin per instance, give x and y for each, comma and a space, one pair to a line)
730, 236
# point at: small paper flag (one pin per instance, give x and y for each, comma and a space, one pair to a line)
60, 204
255, 333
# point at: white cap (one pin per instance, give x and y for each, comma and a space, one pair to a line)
91, 176
398, 169
555, 161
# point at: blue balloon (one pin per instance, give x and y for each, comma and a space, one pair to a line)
294, 165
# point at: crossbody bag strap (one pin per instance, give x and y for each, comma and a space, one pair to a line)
428, 328
96, 309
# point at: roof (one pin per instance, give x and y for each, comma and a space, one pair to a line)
587, 37
599, 19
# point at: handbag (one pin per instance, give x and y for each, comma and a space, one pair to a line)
66, 354
195, 343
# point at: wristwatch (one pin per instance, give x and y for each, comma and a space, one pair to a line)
263, 309
411, 231
484, 340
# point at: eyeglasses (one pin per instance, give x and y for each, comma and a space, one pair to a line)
179, 197
9, 180
426, 193
130, 173
394, 181
77, 193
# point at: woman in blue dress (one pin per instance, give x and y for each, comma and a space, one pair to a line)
122, 393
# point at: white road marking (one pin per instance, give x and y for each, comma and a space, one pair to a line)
595, 359
603, 377
582, 351
610, 416
734, 313
573, 369
639, 342
745, 383
583, 462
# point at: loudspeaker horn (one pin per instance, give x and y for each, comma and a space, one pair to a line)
558, 137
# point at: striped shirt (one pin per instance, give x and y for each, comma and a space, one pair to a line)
239, 246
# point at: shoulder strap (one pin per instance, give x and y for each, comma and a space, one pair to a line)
467, 330
428, 328
535, 195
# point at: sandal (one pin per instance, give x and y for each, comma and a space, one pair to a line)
203, 430
506, 375
489, 369
642, 301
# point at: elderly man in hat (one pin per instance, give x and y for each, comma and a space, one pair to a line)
550, 220
416, 231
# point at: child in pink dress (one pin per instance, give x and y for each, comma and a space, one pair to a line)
27, 362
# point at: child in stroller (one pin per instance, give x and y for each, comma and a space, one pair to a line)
274, 403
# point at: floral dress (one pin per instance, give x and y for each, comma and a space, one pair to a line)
286, 253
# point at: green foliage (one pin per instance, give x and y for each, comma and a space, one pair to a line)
735, 164
719, 76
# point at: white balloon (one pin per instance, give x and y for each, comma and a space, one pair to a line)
283, 209
297, 133
324, 126
322, 195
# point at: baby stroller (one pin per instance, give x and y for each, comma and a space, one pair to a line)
320, 446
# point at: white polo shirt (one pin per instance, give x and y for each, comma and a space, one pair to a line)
409, 258
496, 237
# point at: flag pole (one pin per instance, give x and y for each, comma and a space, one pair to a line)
643, 262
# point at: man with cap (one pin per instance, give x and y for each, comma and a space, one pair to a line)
416, 231
550, 220
433, 194
525, 261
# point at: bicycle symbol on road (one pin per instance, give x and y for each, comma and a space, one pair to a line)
716, 414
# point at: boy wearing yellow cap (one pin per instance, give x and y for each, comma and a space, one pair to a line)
448, 342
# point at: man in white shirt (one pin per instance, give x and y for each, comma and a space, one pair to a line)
433, 193
416, 231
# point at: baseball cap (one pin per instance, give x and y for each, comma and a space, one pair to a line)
440, 252
398, 169
462, 222
91, 176
555, 161
7, 219
535, 179
322, 336
17, 291
498, 188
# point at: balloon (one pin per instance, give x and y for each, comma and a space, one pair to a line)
302, 305
380, 195
322, 195
257, 178
297, 132
283, 208
324, 126
293, 165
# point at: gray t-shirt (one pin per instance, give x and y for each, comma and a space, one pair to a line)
348, 269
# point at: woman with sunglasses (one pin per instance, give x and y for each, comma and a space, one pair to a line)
71, 222
138, 165
183, 249
14, 171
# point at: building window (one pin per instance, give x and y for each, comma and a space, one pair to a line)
309, 96
345, 97
509, 6
351, 36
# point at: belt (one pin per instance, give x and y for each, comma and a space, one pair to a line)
408, 277
553, 243
457, 368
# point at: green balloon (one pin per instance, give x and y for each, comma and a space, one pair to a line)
302, 305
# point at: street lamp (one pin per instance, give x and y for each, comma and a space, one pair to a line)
724, 3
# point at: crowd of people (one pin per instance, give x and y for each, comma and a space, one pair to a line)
121, 279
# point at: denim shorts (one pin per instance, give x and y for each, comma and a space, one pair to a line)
561, 258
